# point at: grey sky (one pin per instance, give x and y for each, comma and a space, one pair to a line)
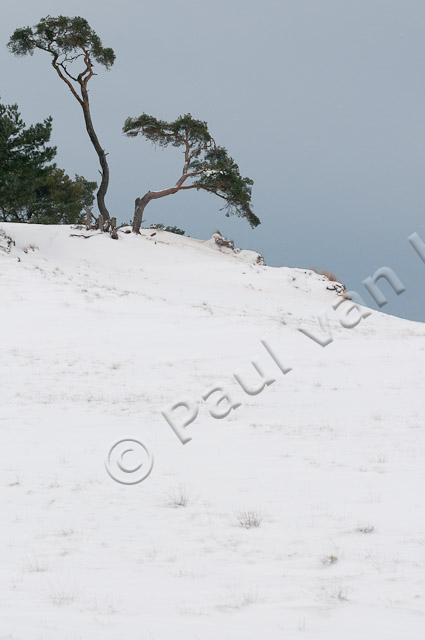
321, 102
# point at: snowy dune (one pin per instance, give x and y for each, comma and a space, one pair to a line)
100, 338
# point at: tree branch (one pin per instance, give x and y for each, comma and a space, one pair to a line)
72, 58
154, 195
62, 66
186, 154
211, 191
56, 66
185, 176
189, 186
88, 72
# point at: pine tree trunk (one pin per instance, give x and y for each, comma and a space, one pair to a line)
113, 229
103, 188
139, 209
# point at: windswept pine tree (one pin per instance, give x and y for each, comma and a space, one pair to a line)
32, 188
74, 48
206, 166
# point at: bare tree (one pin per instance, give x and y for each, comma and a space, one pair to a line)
206, 166
73, 47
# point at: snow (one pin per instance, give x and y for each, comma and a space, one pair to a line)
99, 338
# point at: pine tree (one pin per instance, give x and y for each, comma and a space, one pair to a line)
32, 188
74, 48
206, 166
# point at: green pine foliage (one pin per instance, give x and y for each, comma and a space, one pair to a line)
62, 36
61, 200
32, 188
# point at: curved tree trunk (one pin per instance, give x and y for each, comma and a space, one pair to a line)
139, 209
103, 188
141, 203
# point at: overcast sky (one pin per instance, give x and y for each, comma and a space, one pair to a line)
321, 102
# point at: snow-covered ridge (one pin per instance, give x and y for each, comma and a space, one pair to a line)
100, 338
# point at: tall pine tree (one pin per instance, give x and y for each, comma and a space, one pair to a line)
74, 49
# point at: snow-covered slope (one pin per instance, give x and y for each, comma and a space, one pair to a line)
98, 339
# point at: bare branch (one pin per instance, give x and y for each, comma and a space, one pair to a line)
73, 58
56, 66
62, 66
185, 176
81, 235
88, 72
154, 195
